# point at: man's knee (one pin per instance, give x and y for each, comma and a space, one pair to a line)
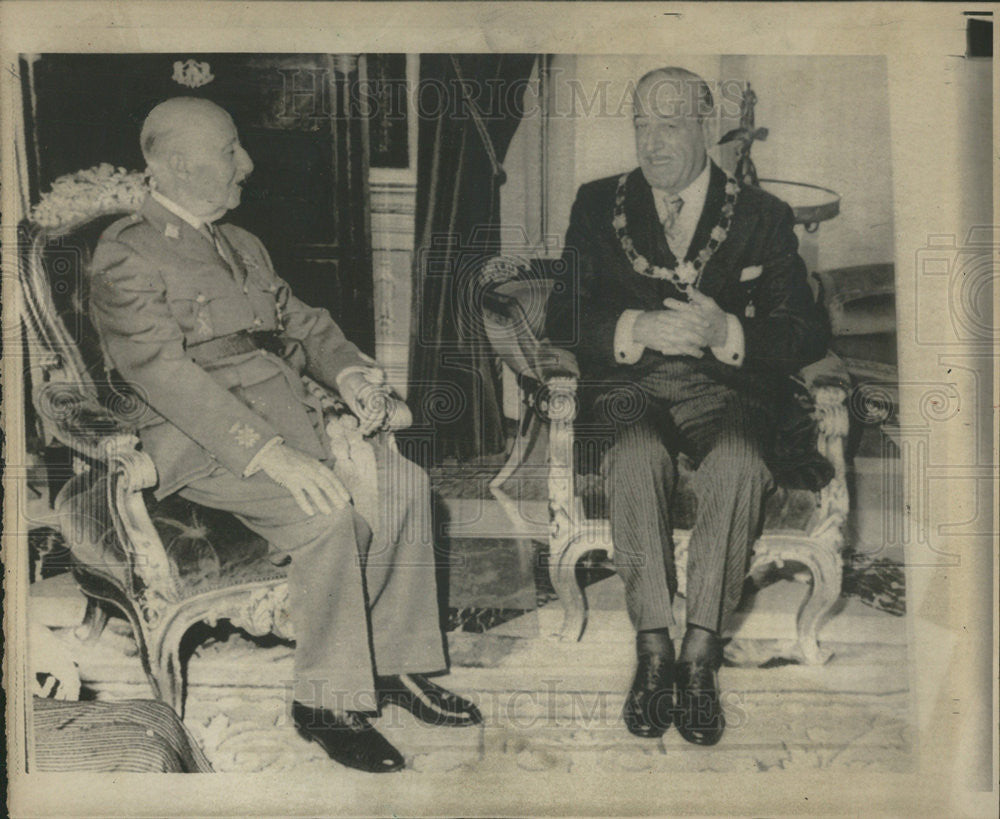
640, 452
740, 457
338, 526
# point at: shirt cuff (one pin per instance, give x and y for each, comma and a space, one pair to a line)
627, 350
254, 466
733, 351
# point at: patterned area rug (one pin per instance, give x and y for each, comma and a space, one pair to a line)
879, 583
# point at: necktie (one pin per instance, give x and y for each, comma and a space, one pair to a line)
670, 227
225, 250
213, 234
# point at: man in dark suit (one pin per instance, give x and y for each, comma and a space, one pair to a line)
688, 290
192, 313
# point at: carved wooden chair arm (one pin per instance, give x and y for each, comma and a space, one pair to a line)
555, 399
832, 421
829, 371
398, 415
130, 472
829, 384
141, 566
829, 387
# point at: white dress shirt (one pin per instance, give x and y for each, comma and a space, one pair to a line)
693, 197
733, 350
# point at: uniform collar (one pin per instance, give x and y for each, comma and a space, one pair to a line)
185, 238
178, 210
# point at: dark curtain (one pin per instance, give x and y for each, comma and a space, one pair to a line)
454, 379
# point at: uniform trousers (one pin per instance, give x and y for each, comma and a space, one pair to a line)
361, 602
680, 407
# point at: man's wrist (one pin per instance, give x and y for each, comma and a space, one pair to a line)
255, 462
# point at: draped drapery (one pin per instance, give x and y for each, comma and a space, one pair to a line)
470, 106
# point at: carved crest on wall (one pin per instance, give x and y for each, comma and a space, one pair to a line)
192, 73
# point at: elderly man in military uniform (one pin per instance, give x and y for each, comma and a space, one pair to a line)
192, 313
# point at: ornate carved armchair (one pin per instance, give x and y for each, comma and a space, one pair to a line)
166, 565
803, 527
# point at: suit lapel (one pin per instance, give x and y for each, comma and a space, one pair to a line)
714, 199
644, 223
720, 271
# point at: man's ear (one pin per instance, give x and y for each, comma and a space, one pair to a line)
710, 131
177, 164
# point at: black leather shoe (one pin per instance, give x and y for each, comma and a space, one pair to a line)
347, 738
649, 704
426, 700
699, 715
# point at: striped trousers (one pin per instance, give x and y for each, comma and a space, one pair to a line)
680, 407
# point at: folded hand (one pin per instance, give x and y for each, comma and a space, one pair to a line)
706, 316
671, 332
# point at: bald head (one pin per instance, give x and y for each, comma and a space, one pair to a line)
194, 155
672, 91
175, 119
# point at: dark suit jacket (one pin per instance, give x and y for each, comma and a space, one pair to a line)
785, 331
157, 286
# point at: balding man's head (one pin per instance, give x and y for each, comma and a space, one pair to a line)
671, 127
672, 91
175, 118
194, 155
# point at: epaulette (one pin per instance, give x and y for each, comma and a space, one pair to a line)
116, 229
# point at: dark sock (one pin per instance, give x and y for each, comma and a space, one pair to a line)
700, 644
654, 641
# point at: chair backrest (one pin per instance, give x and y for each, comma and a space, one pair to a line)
65, 366
514, 307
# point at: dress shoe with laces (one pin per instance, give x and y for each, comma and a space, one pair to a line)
699, 717
426, 700
649, 703
347, 738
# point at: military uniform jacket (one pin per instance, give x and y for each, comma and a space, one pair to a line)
756, 274
158, 286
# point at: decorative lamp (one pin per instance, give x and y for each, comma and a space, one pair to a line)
811, 204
